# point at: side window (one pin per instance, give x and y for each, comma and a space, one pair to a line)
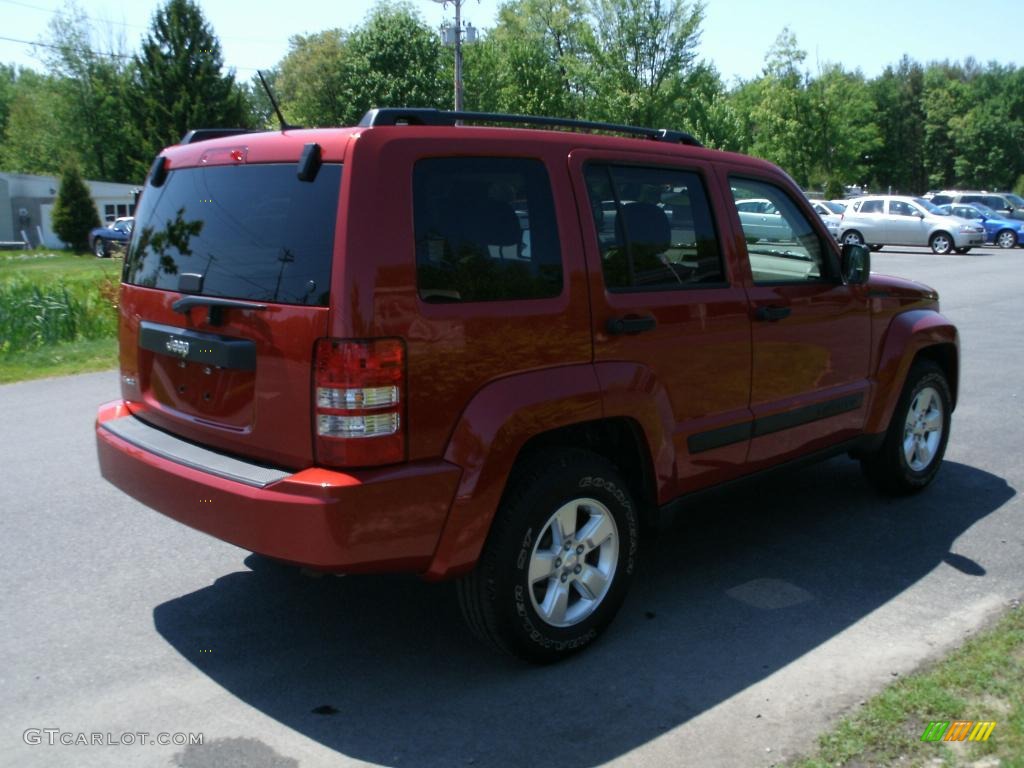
783, 247
872, 206
485, 230
654, 227
900, 208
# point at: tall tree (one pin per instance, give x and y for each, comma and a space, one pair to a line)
180, 84
642, 52
898, 161
94, 84
32, 141
841, 132
779, 115
74, 212
313, 79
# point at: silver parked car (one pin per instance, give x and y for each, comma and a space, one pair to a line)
895, 220
762, 221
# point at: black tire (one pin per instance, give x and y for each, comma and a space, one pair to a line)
1006, 238
99, 247
876, 247
962, 251
889, 467
941, 243
853, 237
498, 601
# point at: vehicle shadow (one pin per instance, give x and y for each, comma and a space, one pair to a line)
381, 669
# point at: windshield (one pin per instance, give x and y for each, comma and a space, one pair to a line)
251, 231
985, 210
1017, 200
928, 206
834, 207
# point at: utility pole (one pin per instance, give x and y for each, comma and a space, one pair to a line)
453, 36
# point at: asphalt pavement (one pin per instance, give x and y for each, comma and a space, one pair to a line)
754, 623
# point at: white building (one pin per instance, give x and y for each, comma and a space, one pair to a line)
26, 204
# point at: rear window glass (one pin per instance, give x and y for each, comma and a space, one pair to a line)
485, 230
252, 231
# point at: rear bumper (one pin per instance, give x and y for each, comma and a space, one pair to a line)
376, 520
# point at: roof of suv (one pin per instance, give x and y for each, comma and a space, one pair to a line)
207, 146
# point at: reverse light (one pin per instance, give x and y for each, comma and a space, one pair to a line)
358, 401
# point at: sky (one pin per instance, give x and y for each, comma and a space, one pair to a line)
736, 34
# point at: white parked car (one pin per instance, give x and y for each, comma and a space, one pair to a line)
894, 220
831, 214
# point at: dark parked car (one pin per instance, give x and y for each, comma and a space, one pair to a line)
1006, 233
417, 345
114, 236
1005, 204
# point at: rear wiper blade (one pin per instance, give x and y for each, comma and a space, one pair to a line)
215, 305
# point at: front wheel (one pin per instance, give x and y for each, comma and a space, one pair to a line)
99, 247
558, 560
941, 243
853, 237
1006, 239
915, 442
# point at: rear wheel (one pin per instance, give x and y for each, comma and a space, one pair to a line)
99, 247
916, 439
1006, 239
941, 243
853, 237
558, 560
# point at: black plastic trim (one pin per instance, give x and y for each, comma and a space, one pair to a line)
196, 347
424, 116
717, 438
766, 425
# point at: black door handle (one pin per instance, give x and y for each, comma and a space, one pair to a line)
617, 325
771, 314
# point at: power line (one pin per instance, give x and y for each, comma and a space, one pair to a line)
61, 47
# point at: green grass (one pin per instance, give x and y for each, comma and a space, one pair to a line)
62, 359
982, 680
58, 314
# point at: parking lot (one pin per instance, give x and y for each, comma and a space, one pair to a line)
754, 622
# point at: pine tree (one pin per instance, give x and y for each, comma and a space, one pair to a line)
179, 80
74, 212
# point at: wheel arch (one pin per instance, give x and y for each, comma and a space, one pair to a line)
913, 335
514, 418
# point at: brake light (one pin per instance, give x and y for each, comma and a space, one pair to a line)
358, 402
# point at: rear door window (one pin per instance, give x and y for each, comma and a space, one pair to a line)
485, 230
654, 227
251, 231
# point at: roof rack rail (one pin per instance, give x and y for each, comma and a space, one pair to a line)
205, 134
429, 116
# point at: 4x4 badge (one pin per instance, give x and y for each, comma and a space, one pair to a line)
177, 347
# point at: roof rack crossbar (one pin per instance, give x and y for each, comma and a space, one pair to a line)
428, 116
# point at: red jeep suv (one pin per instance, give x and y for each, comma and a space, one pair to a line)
447, 344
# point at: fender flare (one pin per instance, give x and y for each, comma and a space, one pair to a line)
908, 334
491, 433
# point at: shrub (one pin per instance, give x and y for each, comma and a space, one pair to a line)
74, 212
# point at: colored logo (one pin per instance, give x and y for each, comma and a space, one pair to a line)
958, 730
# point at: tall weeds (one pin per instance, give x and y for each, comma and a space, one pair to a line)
33, 315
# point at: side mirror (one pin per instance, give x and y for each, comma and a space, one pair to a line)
855, 263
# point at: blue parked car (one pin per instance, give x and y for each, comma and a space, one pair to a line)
115, 235
1006, 233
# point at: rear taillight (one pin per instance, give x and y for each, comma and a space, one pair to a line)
358, 402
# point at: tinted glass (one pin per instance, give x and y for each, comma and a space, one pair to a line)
872, 206
485, 230
654, 228
784, 247
252, 231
